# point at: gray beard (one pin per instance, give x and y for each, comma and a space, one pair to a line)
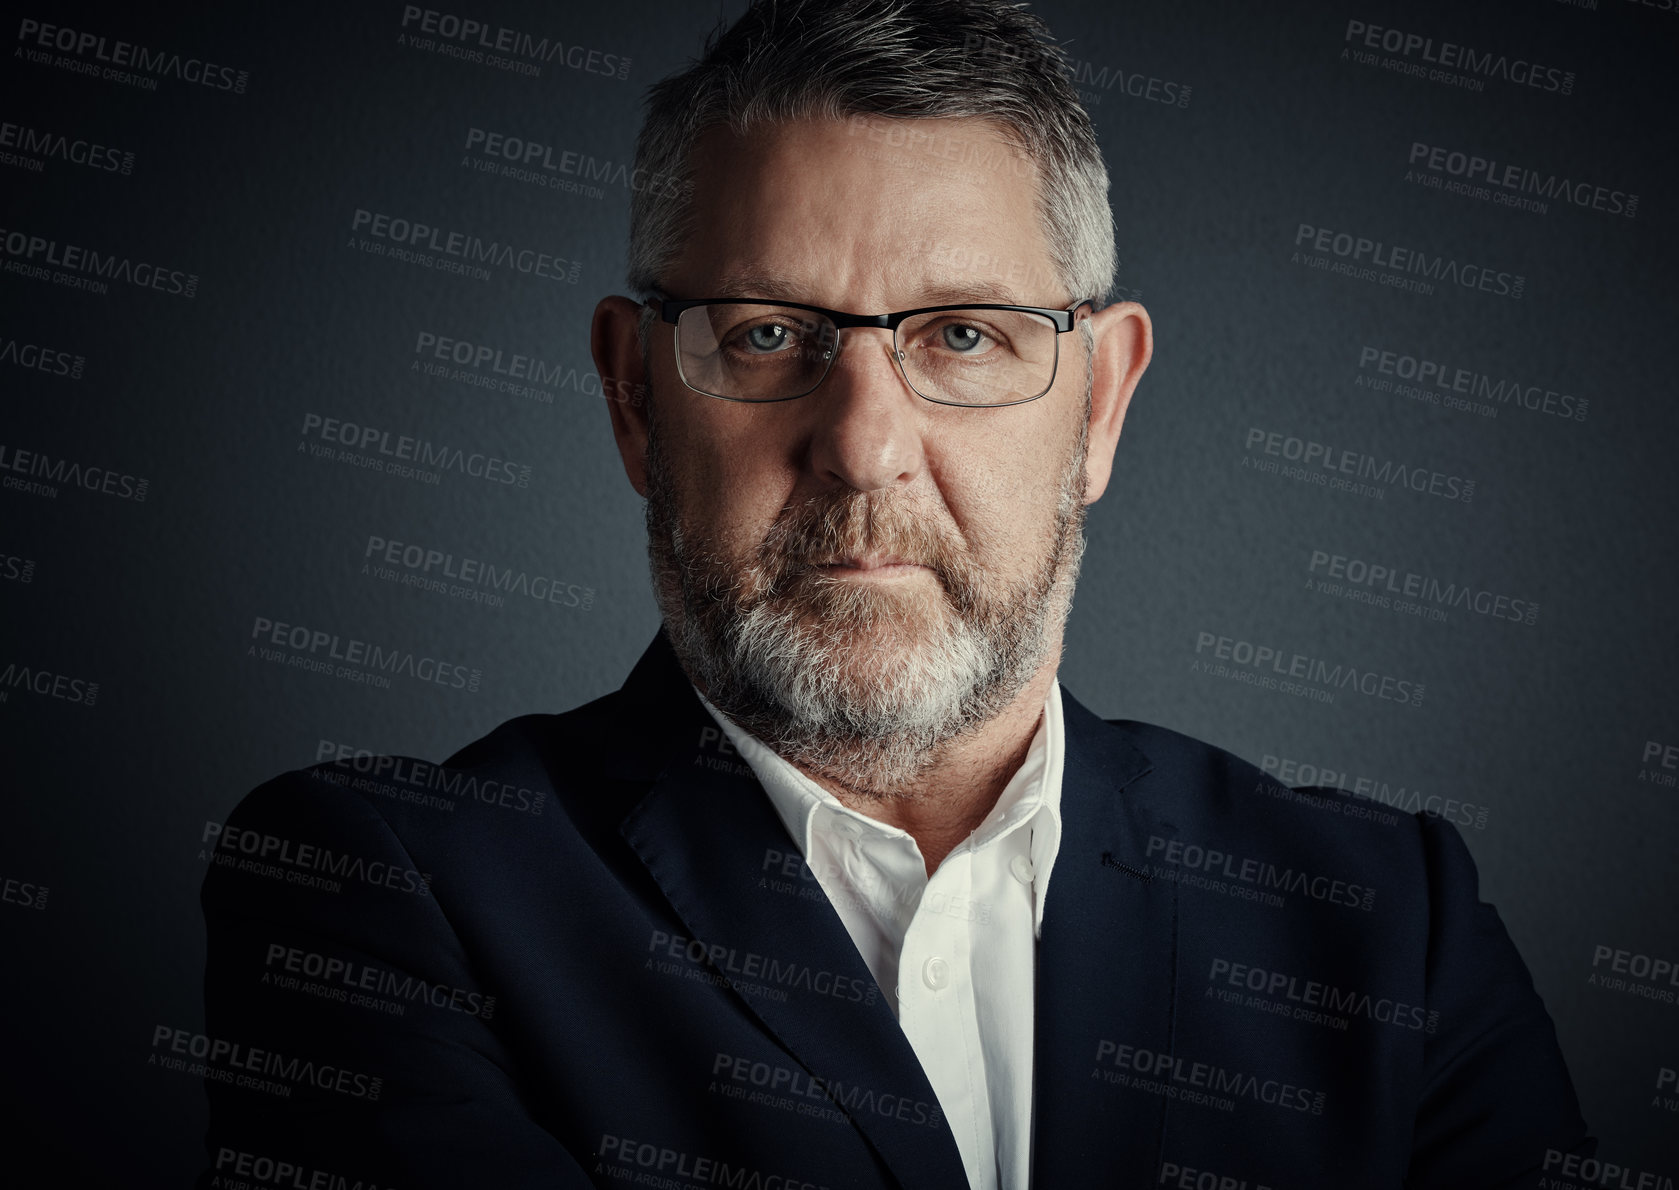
862, 685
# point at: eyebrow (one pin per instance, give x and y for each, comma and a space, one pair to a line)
780, 287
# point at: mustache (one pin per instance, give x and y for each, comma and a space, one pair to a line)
850, 524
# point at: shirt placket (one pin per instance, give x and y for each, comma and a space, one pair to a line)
937, 1010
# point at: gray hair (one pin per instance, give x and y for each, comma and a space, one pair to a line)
787, 60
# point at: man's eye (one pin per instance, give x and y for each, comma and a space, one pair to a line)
962, 338
766, 338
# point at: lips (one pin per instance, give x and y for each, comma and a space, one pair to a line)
872, 562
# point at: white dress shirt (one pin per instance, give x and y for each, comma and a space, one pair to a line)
955, 952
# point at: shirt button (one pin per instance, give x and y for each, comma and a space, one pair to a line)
1022, 869
935, 973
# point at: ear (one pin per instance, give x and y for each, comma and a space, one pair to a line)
617, 351
1124, 345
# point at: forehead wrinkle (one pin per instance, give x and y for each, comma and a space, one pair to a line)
785, 287
759, 282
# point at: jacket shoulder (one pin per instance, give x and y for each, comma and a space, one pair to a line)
525, 767
1215, 798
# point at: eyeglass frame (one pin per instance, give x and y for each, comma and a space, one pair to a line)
1064, 320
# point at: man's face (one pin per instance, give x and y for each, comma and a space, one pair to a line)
860, 575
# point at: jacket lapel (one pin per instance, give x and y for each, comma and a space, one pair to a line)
1107, 961
704, 830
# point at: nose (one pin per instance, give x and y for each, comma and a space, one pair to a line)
868, 421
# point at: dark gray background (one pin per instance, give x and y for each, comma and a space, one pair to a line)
1545, 725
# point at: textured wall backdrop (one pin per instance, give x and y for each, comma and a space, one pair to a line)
1411, 417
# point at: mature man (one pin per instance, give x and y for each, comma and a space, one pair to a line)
841, 888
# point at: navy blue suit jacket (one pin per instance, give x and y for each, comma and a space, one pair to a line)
1231, 980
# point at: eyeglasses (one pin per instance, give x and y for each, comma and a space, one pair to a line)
973, 355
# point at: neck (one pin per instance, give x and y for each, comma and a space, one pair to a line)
967, 775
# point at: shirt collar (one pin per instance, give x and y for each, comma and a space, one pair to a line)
1030, 801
